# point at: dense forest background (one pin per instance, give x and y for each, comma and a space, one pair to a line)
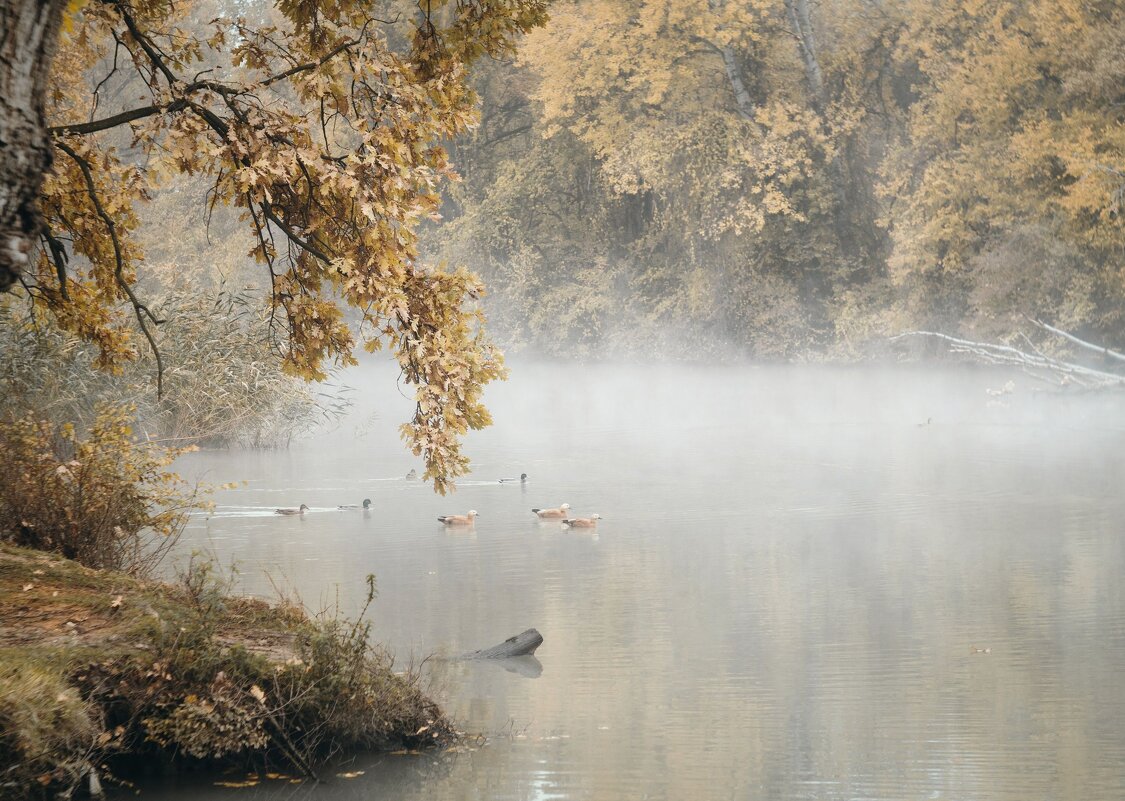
784, 179
681, 179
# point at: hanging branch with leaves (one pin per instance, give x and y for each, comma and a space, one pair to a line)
326, 137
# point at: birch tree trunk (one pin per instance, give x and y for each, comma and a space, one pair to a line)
855, 214
801, 19
743, 103
742, 98
28, 36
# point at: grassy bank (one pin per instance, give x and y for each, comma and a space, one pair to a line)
99, 670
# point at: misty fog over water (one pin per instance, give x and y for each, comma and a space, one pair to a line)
808, 582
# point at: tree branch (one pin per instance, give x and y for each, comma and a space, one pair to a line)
801, 20
58, 258
507, 135
104, 124
145, 43
139, 309
1080, 342
267, 210
1034, 364
310, 65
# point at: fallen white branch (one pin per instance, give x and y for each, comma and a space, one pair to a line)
1080, 342
1036, 365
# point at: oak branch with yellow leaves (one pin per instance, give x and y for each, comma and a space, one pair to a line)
322, 122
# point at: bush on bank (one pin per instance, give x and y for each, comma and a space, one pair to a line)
104, 500
99, 669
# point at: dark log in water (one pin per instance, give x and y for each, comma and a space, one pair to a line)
523, 644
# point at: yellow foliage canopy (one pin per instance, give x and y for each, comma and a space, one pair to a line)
325, 136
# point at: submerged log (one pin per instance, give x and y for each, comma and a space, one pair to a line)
527, 666
523, 644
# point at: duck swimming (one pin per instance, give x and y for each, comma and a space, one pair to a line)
366, 505
522, 479
558, 513
291, 511
412, 475
583, 522
458, 520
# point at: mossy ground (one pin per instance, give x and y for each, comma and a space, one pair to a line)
98, 668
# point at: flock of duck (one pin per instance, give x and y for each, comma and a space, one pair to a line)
560, 512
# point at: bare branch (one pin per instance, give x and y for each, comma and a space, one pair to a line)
104, 124
507, 135
1036, 365
118, 44
1112, 354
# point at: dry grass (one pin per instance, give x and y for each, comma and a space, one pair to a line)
103, 499
46, 729
223, 381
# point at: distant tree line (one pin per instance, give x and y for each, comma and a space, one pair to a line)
783, 179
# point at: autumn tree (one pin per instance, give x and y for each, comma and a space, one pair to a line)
322, 123
724, 155
788, 179
1010, 184
28, 34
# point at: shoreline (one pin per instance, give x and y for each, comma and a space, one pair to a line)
100, 672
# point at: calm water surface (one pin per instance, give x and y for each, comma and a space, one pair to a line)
789, 596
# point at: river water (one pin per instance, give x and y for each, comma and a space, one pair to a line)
808, 583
